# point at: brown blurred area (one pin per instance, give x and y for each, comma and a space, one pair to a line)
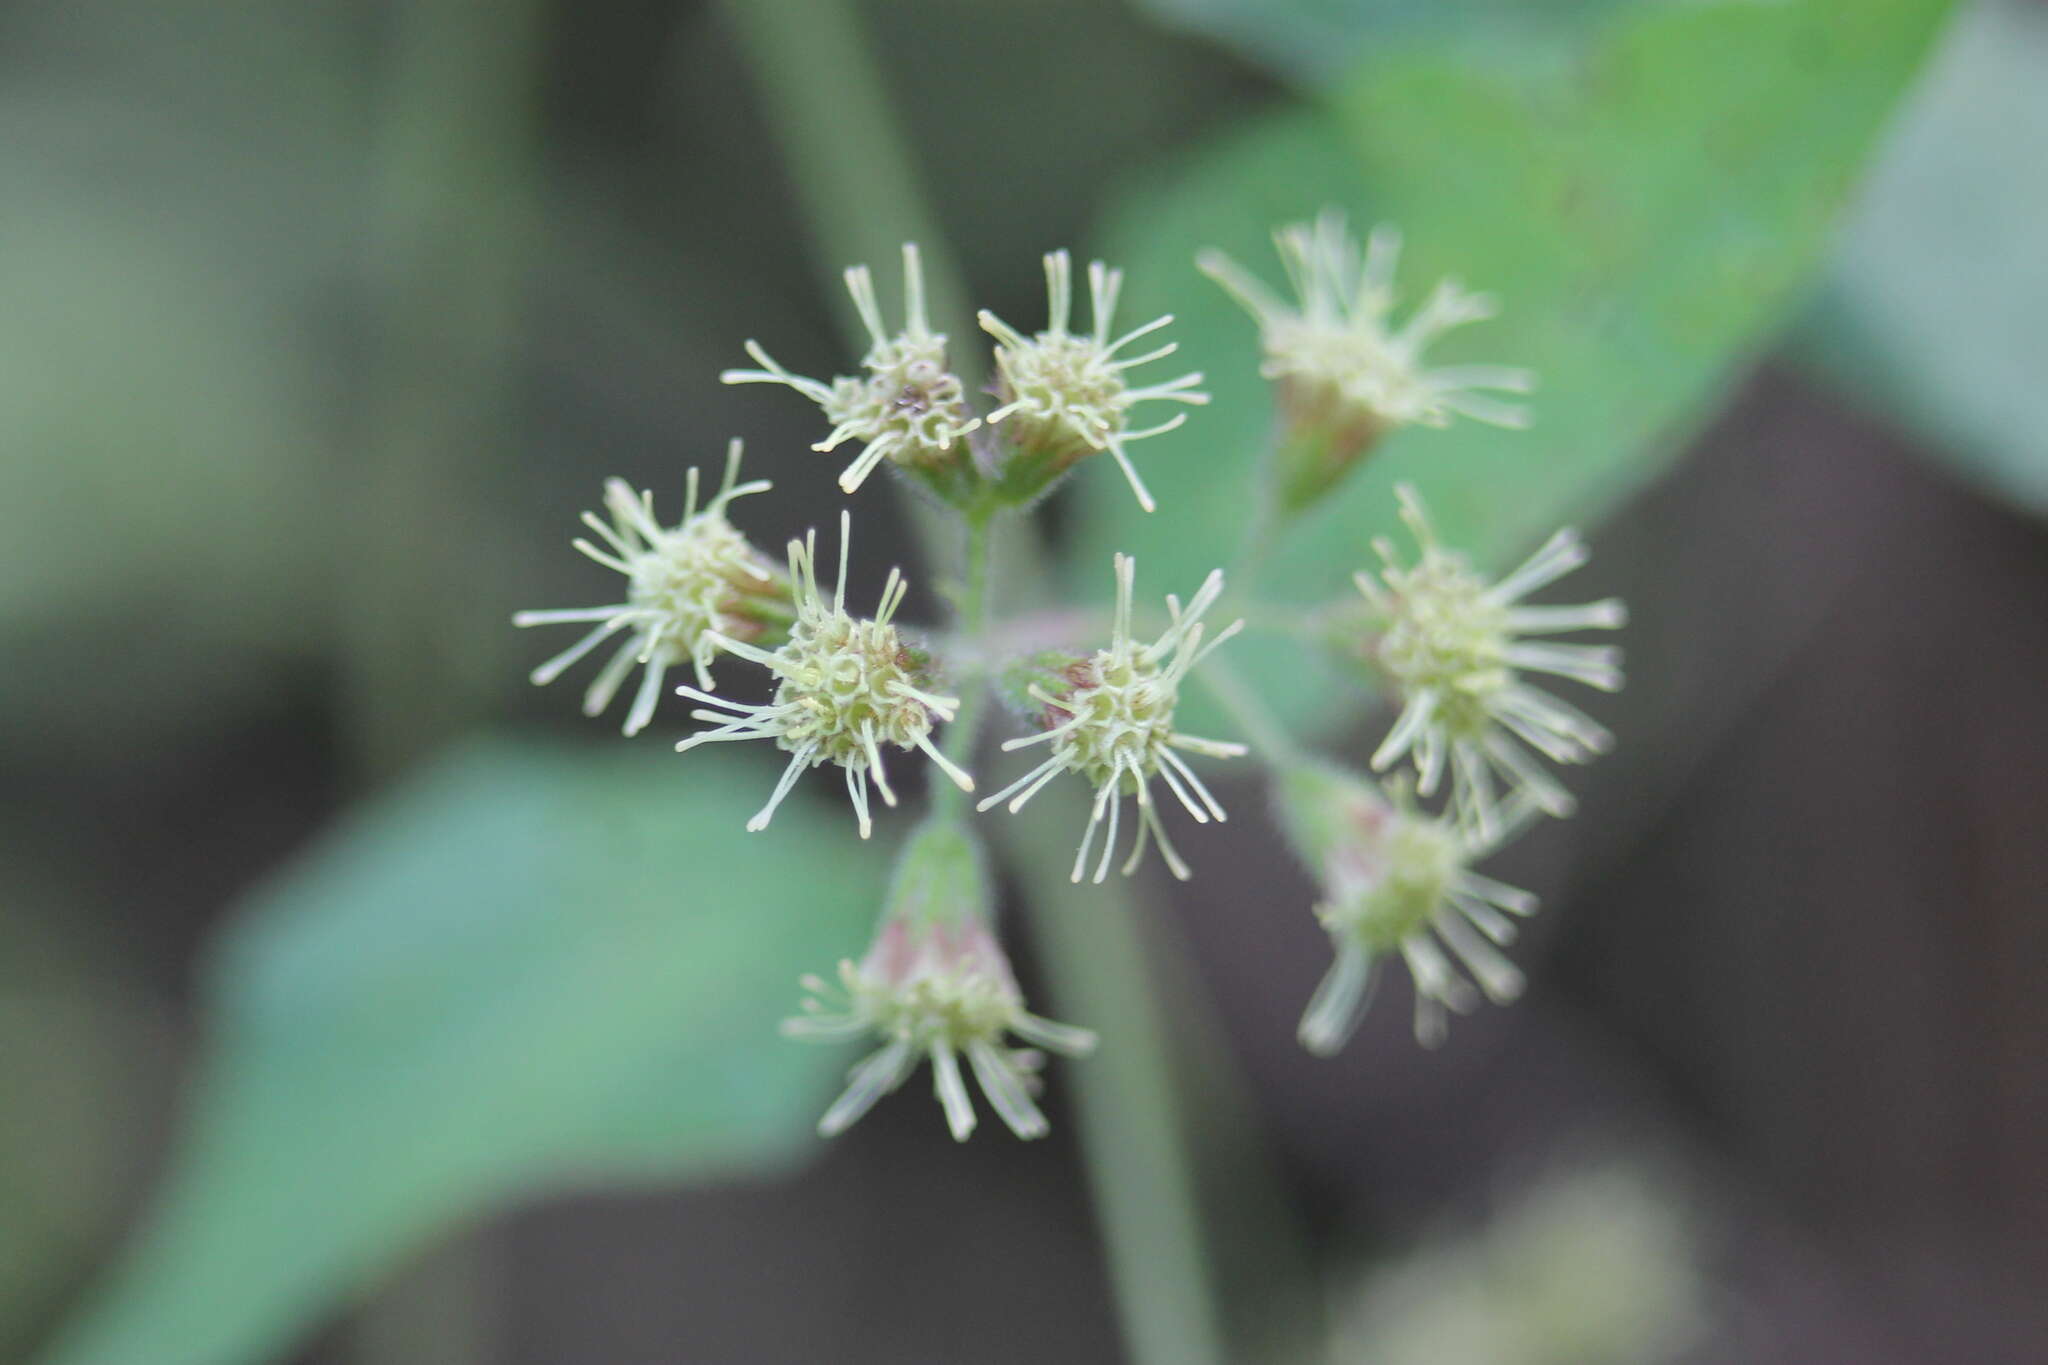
1791, 946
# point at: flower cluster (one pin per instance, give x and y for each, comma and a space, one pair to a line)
910, 409
1110, 719
846, 687
1454, 648
1345, 372
1398, 881
935, 985
690, 590
1064, 393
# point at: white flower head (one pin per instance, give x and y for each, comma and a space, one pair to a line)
910, 408
1398, 882
1112, 722
689, 589
1339, 348
847, 687
944, 991
1065, 395
1454, 646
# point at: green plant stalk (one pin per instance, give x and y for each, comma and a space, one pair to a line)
454, 227
971, 675
1133, 1128
848, 158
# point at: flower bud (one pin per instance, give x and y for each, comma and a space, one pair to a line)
936, 984
1344, 375
1396, 881
689, 589
1064, 395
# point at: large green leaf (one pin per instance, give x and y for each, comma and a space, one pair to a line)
1316, 41
1933, 310
1646, 200
527, 968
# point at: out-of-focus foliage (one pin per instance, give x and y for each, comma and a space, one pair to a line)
528, 968
78, 1047
1645, 227
177, 179
1936, 311
1592, 1266
1319, 41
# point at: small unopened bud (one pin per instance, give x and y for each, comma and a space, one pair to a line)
689, 588
935, 984
1343, 373
1396, 882
847, 687
1064, 394
910, 408
1109, 717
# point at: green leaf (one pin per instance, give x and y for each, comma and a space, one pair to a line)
1932, 314
529, 967
1316, 41
1647, 203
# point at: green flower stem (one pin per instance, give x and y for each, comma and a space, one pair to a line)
1132, 1120
971, 672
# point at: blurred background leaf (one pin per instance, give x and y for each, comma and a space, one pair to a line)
83, 1065
1933, 316
1640, 280
516, 972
